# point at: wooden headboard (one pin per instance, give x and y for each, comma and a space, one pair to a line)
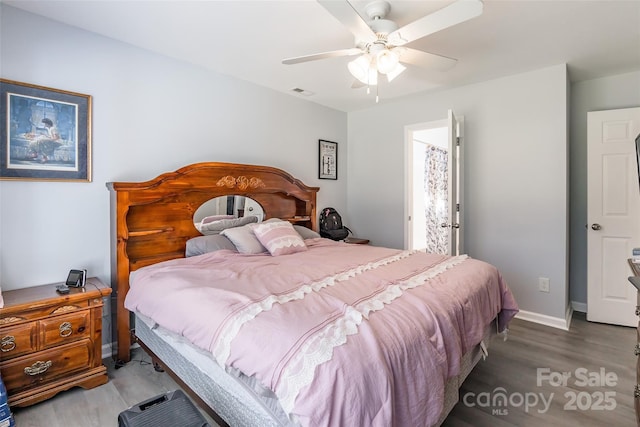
151, 221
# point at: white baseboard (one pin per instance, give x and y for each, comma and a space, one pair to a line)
580, 307
106, 350
543, 319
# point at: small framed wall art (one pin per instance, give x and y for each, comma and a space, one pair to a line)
328, 160
46, 133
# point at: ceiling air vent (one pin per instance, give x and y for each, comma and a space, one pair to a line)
302, 91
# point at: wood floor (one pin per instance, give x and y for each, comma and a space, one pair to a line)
99, 407
512, 365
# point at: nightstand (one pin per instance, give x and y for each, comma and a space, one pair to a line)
51, 342
356, 241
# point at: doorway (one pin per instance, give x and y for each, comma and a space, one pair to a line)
433, 181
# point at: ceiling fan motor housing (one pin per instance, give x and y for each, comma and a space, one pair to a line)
382, 27
378, 9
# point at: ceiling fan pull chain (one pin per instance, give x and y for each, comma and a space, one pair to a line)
377, 86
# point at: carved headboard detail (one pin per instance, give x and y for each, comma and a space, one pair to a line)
151, 221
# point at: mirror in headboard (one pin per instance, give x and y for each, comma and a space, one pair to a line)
233, 206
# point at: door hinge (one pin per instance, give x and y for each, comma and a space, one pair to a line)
457, 140
457, 207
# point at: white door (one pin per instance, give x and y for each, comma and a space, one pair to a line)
613, 214
453, 224
441, 134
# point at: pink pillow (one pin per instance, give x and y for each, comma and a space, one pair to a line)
279, 237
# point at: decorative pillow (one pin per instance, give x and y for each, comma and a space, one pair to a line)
306, 233
280, 238
244, 240
216, 227
205, 244
208, 219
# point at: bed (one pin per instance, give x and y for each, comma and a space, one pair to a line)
318, 333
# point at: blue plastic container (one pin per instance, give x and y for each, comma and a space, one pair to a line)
6, 417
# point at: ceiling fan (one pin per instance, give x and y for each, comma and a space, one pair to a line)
380, 43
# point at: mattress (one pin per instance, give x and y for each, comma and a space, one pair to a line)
238, 399
241, 400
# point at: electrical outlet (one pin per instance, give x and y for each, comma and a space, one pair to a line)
543, 284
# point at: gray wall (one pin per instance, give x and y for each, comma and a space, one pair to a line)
608, 93
515, 176
151, 114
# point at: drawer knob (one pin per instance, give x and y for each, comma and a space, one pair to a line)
636, 392
65, 329
637, 310
37, 368
7, 343
636, 350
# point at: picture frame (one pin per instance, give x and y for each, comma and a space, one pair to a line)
327, 159
45, 133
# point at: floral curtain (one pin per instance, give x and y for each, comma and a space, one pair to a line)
436, 199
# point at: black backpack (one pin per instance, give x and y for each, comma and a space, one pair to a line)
331, 225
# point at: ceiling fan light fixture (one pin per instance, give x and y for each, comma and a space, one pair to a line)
395, 72
361, 69
387, 61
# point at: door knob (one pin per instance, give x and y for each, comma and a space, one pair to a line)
596, 227
446, 225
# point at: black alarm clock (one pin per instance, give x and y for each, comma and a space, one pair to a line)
76, 278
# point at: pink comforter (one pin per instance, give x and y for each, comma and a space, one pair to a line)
345, 335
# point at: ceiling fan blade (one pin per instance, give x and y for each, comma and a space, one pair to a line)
455, 13
430, 61
332, 54
349, 17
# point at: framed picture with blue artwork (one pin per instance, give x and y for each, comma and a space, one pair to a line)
46, 133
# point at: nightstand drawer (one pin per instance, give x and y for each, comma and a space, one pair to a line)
61, 329
17, 340
43, 366
38, 312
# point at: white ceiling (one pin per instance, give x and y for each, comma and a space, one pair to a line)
249, 39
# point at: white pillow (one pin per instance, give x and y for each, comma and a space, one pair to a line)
205, 244
306, 233
244, 240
